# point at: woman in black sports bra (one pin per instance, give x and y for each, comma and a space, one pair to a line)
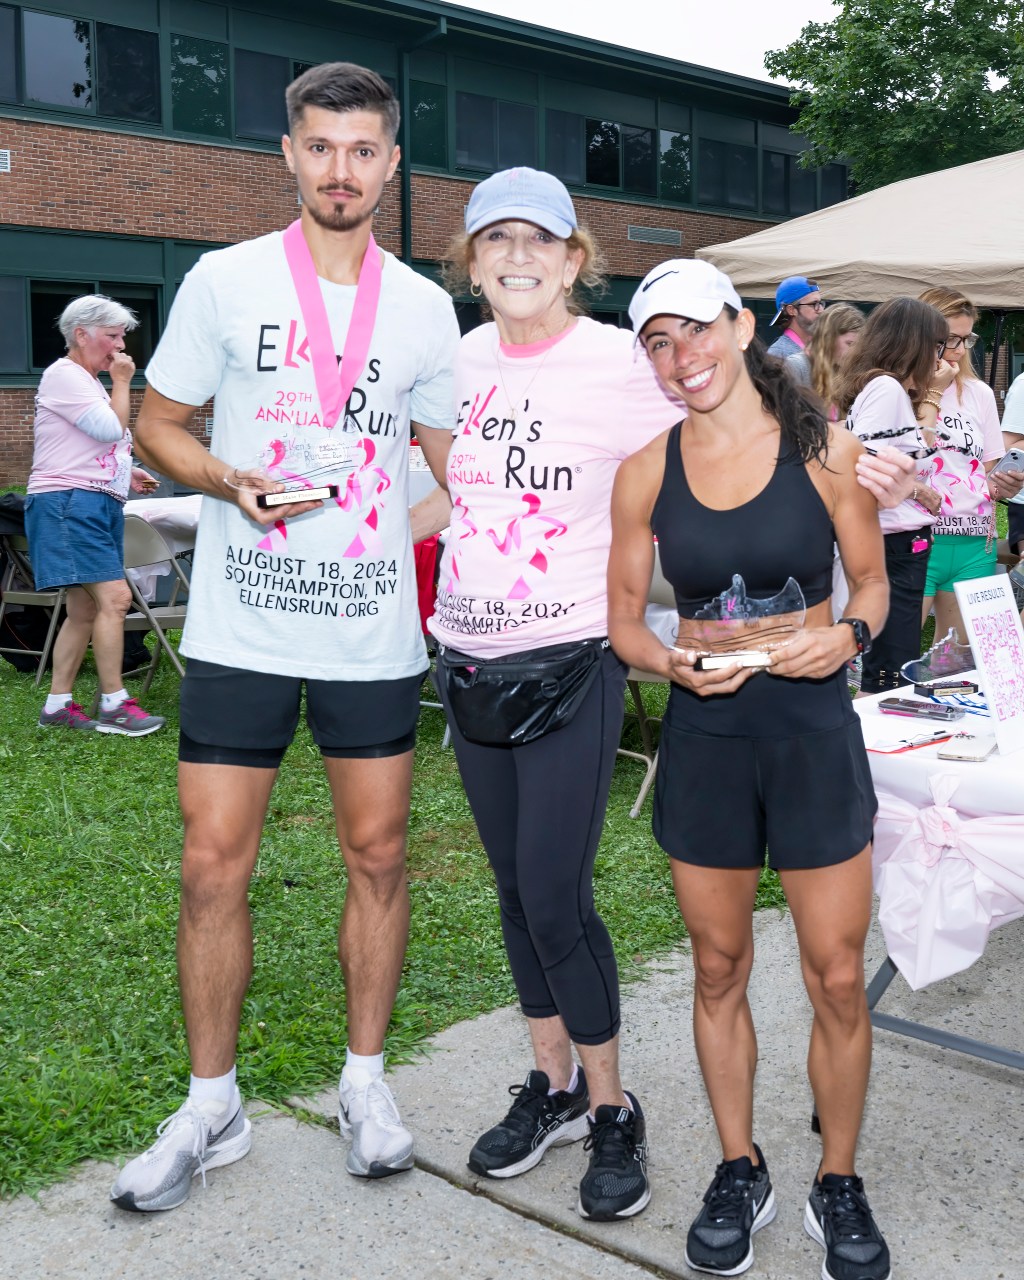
754, 482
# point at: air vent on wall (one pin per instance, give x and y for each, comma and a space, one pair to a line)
5, 162
654, 235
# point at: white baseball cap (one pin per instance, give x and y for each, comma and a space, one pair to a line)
686, 287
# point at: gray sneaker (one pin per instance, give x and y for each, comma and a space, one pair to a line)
381, 1144
186, 1146
71, 716
129, 718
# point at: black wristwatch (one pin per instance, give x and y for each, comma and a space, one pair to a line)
861, 634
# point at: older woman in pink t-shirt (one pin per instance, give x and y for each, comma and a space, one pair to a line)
74, 518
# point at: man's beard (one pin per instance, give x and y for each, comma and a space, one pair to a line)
338, 217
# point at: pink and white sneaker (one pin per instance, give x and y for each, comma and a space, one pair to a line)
71, 716
129, 718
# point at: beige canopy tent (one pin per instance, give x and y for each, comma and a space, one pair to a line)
961, 227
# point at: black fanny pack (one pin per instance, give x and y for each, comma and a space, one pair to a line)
505, 702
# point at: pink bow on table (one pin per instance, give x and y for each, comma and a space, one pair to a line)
944, 881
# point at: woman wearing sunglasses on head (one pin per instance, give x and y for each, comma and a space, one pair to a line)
970, 444
890, 388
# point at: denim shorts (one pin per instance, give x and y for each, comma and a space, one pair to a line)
75, 536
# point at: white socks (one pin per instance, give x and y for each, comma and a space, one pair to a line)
108, 701
55, 701
574, 1080
213, 1094
360, 1068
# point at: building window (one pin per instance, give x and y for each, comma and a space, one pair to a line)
639, 161
675, 166
199, 86
564, 146
786, 187
834, 184
48, 298
727, 174
58, 60
428, 105
260, 82
8, 67
129, 73
13, 334
490, 134
604, 149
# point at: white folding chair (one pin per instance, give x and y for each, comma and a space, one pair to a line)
18, 588
144, 546
660, 593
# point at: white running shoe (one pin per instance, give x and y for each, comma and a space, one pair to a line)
187, 1144
381, 1144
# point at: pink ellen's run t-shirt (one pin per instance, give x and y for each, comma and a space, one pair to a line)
63, 457
526, 558
883, 414
968, 435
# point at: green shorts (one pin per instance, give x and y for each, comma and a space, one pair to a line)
957, 559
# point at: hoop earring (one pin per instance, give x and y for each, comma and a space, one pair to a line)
475, 291
567, 290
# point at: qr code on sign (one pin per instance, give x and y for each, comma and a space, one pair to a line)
997, 637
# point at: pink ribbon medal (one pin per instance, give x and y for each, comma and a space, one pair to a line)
334, 384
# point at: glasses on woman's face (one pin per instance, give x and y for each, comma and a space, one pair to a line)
814, 306
940, 348
954, 342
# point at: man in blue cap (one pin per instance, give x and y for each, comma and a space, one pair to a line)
798, 304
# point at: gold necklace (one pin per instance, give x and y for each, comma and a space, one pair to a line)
521, 402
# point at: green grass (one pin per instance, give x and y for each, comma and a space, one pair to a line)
92, 1043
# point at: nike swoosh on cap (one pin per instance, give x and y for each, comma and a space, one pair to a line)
644, 288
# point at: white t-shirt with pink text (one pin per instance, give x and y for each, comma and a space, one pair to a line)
883, 414
63, 455
968, 435
541, 430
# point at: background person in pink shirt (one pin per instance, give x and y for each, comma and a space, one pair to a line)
970, 443
74, 514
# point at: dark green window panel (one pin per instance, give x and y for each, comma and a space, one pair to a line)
476, 131
129, 73
199, 86
773, 182
639, 160
727, 174
517, 135
429, 123
13, 331
8, 68
786, 188
260, 82
676, 166
47, 299
604, 148
564, 146
144, 301
58, 60
834, 184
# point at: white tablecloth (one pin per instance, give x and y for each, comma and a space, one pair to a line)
949, 846
176, 520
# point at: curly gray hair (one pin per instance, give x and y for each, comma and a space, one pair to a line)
95, 311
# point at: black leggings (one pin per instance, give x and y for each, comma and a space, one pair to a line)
539, 809
899, 641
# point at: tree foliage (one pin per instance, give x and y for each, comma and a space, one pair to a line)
900, 87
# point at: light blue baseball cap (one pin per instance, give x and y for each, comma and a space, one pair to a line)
522, 195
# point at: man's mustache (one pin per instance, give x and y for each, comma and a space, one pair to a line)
343, 186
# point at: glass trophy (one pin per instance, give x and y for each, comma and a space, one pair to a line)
293, 470
736, 628
947, 657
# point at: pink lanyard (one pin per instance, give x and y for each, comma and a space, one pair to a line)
333, 383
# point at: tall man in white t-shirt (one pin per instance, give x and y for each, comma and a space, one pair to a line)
318, 593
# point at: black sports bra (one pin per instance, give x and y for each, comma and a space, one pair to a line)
783, 532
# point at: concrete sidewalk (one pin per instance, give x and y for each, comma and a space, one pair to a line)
940, 1154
